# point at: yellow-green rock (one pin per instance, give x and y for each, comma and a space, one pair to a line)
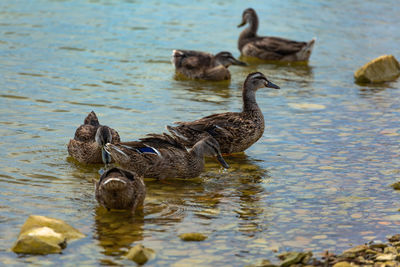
192, 237
290, 258
140, 254
382, 69
41, 240
342, 264
57, 225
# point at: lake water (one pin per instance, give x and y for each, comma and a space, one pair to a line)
319, 179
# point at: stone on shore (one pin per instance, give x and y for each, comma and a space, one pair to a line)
382, 69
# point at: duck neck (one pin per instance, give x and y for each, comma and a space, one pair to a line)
249, 99
249, 32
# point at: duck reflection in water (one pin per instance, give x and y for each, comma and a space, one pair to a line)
116, 231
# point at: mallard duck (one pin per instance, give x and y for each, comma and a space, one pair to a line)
120, 189
234, 131
89, 139
161, 156
270, 48
204, 66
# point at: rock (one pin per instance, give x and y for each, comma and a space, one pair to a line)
57, 225
395, 238
396, 186
291, 258
390, 250
40, 240
342, 264
192, 237
140, 254
385, 257
356, 249
382, 69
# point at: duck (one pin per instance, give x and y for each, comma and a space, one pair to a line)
203, 65
87, 147
270, 48
161, 156
120, 189
234, 131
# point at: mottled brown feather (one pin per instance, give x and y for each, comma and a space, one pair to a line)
83, 147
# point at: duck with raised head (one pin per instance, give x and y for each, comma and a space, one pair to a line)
234, 131
120, 189
89, 140
161, 156
270, 48
204, 66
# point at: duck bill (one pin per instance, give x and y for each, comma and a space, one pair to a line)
223, 162
105, 156
238, 62
271, 85
241, 24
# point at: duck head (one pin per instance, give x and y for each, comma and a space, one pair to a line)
249, 15
258, 80
210, 148
226, 59
104, 136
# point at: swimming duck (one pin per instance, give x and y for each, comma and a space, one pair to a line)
270, 48
161, 156
89, 139
120, 189
234, 131
204, 66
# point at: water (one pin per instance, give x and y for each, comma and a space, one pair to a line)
318, 179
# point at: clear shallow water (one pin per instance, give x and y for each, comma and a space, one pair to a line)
318, 179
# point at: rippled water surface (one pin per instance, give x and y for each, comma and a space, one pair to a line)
318, 179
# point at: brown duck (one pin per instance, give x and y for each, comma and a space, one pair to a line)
270, 48
234, 131
120, 189
204, 66
161, 156
89, 139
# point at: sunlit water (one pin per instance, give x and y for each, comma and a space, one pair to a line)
318, 179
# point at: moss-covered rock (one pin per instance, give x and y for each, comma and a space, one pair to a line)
140, 254
59, 226
40, 240
192, 237
382, 69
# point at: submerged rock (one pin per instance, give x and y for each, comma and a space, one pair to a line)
44, 235
382, 69
192, 237
140, 254
41, 240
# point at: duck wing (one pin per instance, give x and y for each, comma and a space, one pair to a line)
221, 126
278, 45
162, 141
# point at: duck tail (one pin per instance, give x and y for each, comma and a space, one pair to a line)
305, 53
113, 184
